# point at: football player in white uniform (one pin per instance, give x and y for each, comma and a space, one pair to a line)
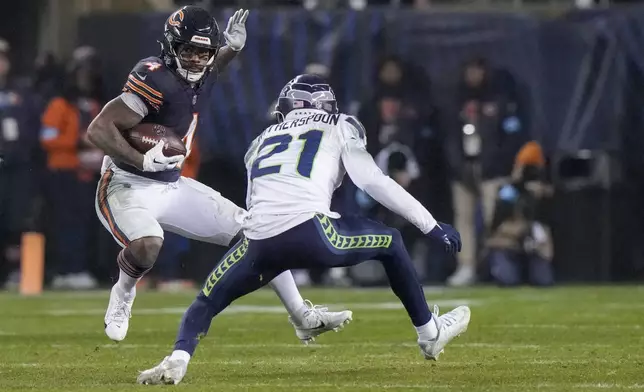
293, 169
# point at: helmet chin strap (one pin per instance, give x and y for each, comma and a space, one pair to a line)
190, 76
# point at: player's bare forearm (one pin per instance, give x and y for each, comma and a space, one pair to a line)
105, 132
224, 57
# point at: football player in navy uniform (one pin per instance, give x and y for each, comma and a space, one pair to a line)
141, 195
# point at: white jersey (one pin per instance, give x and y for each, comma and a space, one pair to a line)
294, 167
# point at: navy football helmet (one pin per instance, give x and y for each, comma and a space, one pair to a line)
190, 42
306, 92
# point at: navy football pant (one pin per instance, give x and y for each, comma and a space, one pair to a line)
321, 242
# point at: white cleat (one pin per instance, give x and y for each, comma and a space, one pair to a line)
169, 371
319, 320
117, 316
449, 326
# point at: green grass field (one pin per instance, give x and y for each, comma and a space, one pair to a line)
563, 339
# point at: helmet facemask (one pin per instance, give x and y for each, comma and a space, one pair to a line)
192, 60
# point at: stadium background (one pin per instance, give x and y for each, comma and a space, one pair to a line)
566, 74
576, 72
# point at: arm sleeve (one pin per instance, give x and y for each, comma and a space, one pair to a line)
366, 175
145, 82
135, 103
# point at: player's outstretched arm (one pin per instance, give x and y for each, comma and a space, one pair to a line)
367, 176
224, 57
105, 132
235, 35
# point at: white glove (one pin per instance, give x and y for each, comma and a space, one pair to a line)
155, 161
235, 33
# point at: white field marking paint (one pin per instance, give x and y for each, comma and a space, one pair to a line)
264, 292
563, 326
236, 309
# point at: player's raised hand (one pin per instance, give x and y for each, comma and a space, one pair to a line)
235, 33
155, 161
448, 236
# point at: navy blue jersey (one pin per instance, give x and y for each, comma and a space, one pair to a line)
171, 101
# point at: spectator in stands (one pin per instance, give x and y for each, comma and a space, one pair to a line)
48, 78
519, 247
389, 115
491, 128
19, 165
73, 166
398, 162
399, 116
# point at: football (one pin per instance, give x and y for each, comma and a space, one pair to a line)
145, 136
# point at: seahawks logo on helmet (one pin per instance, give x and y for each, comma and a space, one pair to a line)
306, 92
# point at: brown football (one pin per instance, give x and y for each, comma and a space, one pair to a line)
145, 136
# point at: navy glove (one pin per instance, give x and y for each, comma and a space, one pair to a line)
448, 236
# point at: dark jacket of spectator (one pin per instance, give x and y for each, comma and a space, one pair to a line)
492, 122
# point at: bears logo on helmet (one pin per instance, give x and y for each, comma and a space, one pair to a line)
176, 18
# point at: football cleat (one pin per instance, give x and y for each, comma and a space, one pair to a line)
449, 326
169, 371
318, 320
117, 316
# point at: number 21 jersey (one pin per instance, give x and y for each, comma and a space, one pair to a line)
293, 168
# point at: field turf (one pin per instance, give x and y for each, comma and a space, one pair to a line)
562, 339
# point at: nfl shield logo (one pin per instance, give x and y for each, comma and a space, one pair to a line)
159, 130
298, 104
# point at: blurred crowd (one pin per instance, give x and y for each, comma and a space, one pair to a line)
479, 169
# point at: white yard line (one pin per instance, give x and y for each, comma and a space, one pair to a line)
264, 292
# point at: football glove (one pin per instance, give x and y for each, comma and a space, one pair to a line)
235, 33
448, 236
155, 161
